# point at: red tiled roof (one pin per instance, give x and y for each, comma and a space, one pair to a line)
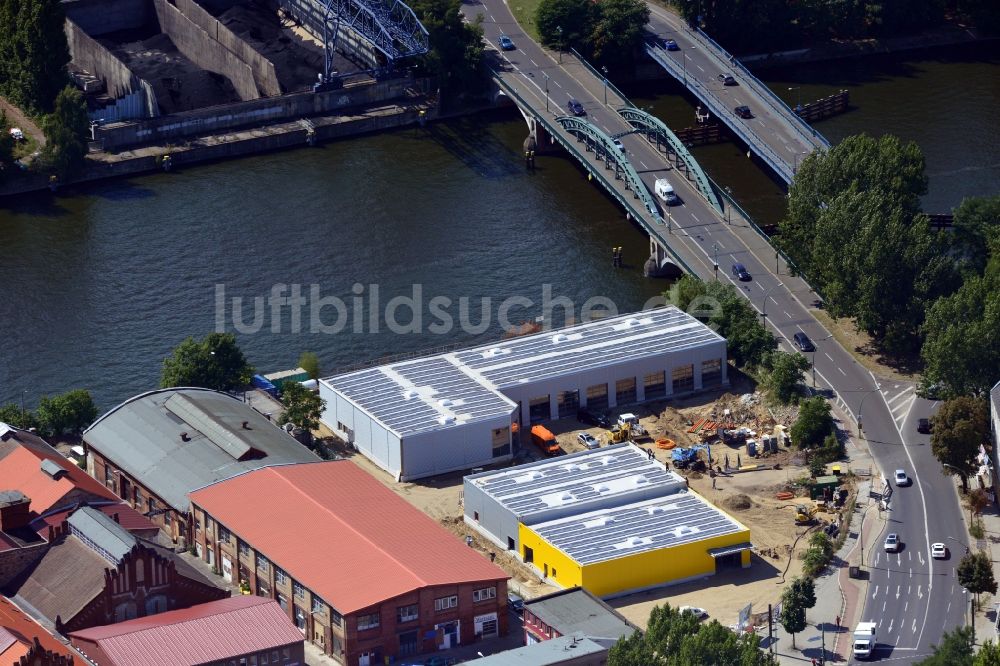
24, 630
128, 518
204, 633
341, 533
21, 470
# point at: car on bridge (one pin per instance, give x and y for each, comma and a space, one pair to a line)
892, 543
727, 79
671, 45
506, 43
575, 107
618, 145
741, 273
743, 112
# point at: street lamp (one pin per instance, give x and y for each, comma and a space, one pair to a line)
862, 403
729, 203
972, 616
763, 310
715, 249
815, 349
670, 221
559, 35
798, 96
605, 70
546, 91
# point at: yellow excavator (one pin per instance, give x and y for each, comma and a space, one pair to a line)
620, 433
805, 515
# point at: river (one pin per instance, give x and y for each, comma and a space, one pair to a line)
98, 285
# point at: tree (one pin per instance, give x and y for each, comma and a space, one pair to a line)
33, 52
955, 649
783, 374
215, 362
988, 655
6, 145
309, 362
975, 573
69, 413
959, 427
796, 598
977, 222
456, 46
618, 30
302, 407
816, 557
566, 23
66, 134
813, 425
13, 415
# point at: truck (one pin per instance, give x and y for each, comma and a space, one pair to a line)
665, 191
864, 640
635, 428
545, 440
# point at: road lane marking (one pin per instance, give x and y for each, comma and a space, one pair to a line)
875, 593
920, 595
521, 51
788, 315
905, 606
695, 217
911, 576
555, 81
643, 164
914, 625
883, 607
897, 591
533, 62
920, 556
841, 371
899, 557
890, 624
828, 356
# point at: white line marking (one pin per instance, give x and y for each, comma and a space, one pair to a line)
695, 217
643, 164
875, 593
828, 356
915, 626
788, 315
841, 371
905, 606
533, 62
897, 591
890, 624
557, 83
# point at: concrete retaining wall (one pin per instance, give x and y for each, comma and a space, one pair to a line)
100, 17
262, 68
350, 44
205, 51
214, 119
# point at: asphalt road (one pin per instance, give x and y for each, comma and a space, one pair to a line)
928, 602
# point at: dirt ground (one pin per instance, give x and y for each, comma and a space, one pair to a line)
748, 496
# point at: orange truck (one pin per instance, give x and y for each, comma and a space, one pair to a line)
545, 440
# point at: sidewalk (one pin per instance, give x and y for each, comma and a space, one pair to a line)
986, 614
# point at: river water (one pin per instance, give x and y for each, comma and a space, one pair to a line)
100, 284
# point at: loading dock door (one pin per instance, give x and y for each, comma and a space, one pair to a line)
597, 397
569, 403
539, 409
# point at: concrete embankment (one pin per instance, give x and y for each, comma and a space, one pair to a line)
278, 136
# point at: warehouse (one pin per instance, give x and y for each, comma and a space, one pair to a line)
612, 521
436, 414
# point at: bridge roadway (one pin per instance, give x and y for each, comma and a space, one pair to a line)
929, 600
778, 136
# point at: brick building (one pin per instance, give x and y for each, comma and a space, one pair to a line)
361, 572
155, 448
24, 642
238, 630
572, 612
95, 572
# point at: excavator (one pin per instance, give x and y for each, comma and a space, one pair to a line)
805, 515
620, 433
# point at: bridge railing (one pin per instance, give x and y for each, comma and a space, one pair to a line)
725, 114
601, 76
797, 121
557, 132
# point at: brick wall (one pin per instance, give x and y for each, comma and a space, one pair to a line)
16, 560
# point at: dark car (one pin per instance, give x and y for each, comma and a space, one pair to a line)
741, 273
671, 45
576, 108
743, 112
924, 426
593, 418
727, 79
803, 342
506, 43
515, 602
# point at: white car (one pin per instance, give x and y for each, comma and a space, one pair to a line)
902, 479
588, 440
699, 613
16, 134
939, 551
892, 543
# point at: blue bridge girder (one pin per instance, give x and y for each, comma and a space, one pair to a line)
656, 130
389, 26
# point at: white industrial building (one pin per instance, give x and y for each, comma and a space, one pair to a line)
436, 414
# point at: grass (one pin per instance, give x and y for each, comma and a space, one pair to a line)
524, 14
26, 147
861, 346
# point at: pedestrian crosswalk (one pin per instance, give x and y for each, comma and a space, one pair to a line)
899, 398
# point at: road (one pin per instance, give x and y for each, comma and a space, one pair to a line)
699, 64
701, 236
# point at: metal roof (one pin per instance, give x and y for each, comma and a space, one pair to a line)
561, 650
613, 474
104, 535
446, 390
665, 522
577, 611
143, 436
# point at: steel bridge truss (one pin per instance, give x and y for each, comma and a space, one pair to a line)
604, 148
390, 26
656, 131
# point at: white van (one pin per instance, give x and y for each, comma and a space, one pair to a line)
665, 191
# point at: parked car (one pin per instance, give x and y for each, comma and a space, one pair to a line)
743, 112
588, 440
740, 272
699, 613
506, 43
902, 479
515, 602
594, 418
939, 551
576, 108
727, 79
671, 45
803, 342
16, 134
892, 543
924, 426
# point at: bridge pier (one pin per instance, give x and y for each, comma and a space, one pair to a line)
660, 263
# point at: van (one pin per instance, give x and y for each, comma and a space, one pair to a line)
665, 191
545, 440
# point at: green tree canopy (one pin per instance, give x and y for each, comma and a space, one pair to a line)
6, 145
456, 46
673, 638
813, 425
618, 30
988, 655
955, 649
783, 373
977, 226
13, 415
66, 414
960, 426
215, 362
566, 23
33, 52
302, 407
795, 600
66, 134
309, 362
975, 573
